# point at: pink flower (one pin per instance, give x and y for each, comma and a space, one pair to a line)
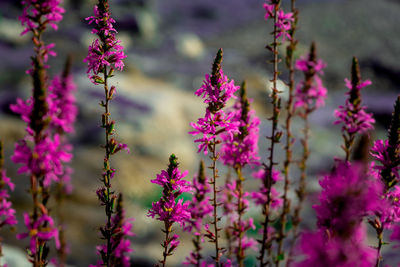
310, 93
167, 209
352, 115
347, 196
284, 20
216, 91
42, 230
220, 94
34, 9
107, 50
242, 148
63, 106
120, 243
335, 252
212, 125
260, 196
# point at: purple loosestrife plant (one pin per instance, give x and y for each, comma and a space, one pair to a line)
169, 209
289, 60
309, 96
200, 208
40, 152
348, 195
121, 245
216, 91
65, 111
106, 55
386, 152
281, 25
7, 213
237, 152
353, 117
237, 226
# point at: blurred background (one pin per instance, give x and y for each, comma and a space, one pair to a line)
170, 46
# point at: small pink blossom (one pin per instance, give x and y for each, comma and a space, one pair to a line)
42, 230
284, 20
106, 51
310, 93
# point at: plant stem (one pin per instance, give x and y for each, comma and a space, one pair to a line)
301, 191
215, 205
107, 182
165, 253
240, 210
289, 137
269, 167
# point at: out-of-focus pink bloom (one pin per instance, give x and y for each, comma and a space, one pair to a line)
336, 252
34, 9
63, 107
260, 196
352, 115
7, 213
42, 230
45, 159
120, 243
347, 196
310, 93
242, 148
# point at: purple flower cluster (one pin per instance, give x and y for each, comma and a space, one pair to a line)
61, 93
237, 228
35, 10
120, 244
169, 209
40, 231
348, 196
242, 149
35, 17
106, 51
310, 93
260, 196
7, 213
380, 151
200, 208
352, 115
216, 91
46, 158
284, 20
334, 252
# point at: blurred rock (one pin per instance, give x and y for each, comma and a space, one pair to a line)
189, 45
14, 257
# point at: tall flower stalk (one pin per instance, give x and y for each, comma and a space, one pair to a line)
200, 209
7, 213
40, 152
289, 60
282, 24
352, 115
106, 55
309, 96
169, 209
216, 91
386, 152
348, 195
61, 91
237, 152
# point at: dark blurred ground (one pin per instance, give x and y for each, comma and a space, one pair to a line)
170, 46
